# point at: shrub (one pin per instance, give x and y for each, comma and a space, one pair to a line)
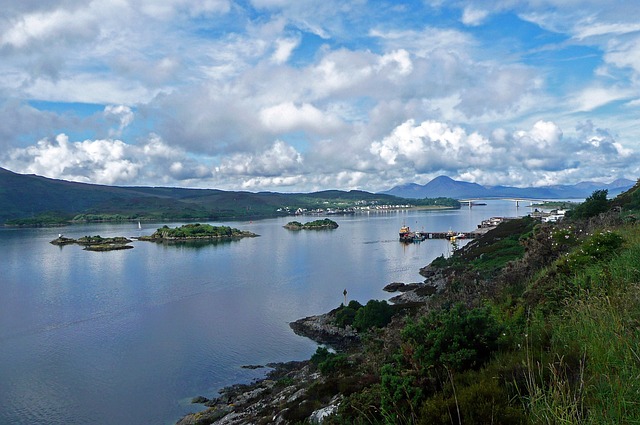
595, 204
373, 314
347, 314
459, 339
328, 362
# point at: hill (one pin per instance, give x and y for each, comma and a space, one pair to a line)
446, 186
36, 200
530, 323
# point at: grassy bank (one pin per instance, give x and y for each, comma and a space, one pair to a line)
539, 324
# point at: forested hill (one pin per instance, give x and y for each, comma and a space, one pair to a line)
34, 199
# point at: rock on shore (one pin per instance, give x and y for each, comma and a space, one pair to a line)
322, 329
275, 399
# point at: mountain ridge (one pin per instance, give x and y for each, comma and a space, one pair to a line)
29, 197
448, 187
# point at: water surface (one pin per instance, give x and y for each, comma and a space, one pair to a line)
130, 336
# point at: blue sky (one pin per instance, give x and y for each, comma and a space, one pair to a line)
307, 95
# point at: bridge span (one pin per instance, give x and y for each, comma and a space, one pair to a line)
531, 201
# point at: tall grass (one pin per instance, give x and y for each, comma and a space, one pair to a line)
594, 377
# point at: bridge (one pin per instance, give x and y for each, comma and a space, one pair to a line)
516, 200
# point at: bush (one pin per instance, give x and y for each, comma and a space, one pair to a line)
374, 314
458, 339
595, 204
328, 362
347, 314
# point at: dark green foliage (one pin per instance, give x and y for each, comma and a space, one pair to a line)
629, 200
41, 220
359, 408
328, 362
374, 314
595, 204
28, 196
345, 315
440, 262
479, 398
443, 202
316, 224
196, 231
492, 251
458, 339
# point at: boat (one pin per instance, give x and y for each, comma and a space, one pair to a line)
406, 235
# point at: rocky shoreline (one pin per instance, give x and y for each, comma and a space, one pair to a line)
95, 243
282, 394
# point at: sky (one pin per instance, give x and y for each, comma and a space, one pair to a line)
301, 95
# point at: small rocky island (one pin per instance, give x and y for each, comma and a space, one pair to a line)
312, 225
95, 243
196, 232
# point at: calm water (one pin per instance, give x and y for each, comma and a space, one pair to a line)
127, 337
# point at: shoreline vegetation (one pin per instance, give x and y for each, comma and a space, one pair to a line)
323, 224
196, 232
187, 233
95, 243
53, 219
33, 201
530, 323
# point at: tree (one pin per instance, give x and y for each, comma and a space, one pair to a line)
595, 204
373, 314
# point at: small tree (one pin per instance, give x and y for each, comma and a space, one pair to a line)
595, 204
373, 314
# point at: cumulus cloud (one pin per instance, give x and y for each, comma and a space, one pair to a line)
123, 114
105, 161
278, 160
284, 47
287, 117
539, 155
369, 98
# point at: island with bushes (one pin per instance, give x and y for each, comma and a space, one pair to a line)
312, 225
95, 243
196, 232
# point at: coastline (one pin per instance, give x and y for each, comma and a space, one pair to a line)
281, 395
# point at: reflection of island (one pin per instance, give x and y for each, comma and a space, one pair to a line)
312, 225
196, 232
95, 243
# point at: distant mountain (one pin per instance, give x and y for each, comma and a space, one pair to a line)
29, 197
446, 186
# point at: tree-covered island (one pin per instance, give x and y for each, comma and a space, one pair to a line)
312, 225
196, 232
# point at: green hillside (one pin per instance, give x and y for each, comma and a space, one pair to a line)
34, 200
532, 323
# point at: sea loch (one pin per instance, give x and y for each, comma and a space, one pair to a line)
130, 336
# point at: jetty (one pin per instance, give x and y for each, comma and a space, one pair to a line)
408, 236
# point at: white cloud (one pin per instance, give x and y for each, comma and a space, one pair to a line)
97, 161
594, 97
473, 17
123, 114
44, 26
284, 48
287, 117
539, 155
279, 159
